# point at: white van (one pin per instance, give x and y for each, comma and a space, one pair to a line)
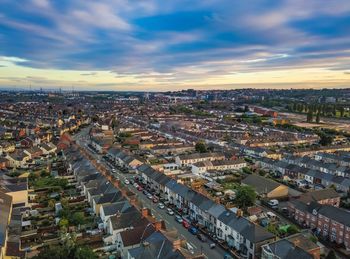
273, 204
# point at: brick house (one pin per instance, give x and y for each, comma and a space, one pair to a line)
327, 221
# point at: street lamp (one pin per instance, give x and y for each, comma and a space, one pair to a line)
149, 224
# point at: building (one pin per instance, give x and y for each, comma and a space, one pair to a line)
218, 165
327, 221
185, 160
5, 216
325, 196
266, 187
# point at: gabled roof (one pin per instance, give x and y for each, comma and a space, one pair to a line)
131, 218
114, 208
156, 246
287, 250
261, 184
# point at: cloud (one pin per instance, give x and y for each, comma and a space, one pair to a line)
170, 41
89, 74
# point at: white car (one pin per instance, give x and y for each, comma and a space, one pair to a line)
170, 211
136, 185
126, 181
161, 206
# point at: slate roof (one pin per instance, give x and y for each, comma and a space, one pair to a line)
114, 208
287, 250
156, 246
261, 184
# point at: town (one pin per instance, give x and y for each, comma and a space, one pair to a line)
246, 173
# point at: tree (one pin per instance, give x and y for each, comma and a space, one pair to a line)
51, 203
309, 116
318, 117
66, 251
78, 218
201, 147
331, 255
63, 224
292, 230
245, 197
326, 139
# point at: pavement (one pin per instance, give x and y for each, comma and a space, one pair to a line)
194, 244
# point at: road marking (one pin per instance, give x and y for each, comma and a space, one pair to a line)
167, 221
193, 245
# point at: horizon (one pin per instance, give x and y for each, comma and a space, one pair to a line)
152, 46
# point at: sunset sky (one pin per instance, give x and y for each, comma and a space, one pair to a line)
161, 45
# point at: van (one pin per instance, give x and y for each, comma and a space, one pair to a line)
273, 204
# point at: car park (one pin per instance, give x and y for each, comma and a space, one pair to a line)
178, 219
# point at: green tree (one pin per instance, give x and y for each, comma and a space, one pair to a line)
78, 218
325, 139
318, 117
65, 252
51, 203
292, 230
63, 224
309, 116
331, 255
201, 147
245, 197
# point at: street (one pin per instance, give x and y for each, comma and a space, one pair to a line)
194, 244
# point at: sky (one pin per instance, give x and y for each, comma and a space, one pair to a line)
168, 45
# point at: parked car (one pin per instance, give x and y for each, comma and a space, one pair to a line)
185, 224
155, 199
170, 211
139, 188
178, 218
126, 181
202, 237
212, 245
145, 192
193, 230
149, 196
161, 206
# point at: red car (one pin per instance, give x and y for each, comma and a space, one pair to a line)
139, 188
185, 224
155, 199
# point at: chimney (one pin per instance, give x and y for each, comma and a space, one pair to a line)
158, 225
144, 212
176, 244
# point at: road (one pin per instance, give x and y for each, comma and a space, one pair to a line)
194, 243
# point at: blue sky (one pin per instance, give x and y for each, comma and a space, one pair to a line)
169, 45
